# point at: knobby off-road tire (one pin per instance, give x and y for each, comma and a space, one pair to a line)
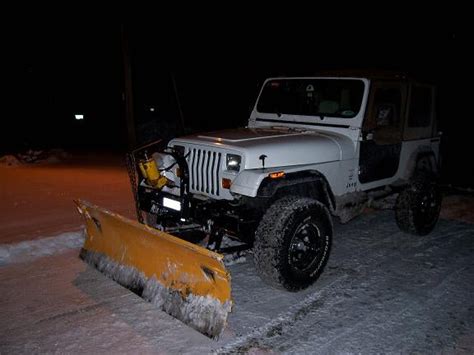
293, 242
417, 207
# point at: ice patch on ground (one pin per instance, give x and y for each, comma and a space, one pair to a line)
32, 249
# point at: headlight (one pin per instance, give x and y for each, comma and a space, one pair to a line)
233, 162
179, 149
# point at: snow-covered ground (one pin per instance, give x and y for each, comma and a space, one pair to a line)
382, 291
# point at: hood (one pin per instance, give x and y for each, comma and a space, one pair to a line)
245, 134
282, 147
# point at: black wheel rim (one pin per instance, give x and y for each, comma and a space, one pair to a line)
429, 206
305, 246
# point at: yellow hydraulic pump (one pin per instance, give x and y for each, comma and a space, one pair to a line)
150, 172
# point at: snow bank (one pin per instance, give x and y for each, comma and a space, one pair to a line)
35, 157
32, 249
9, 160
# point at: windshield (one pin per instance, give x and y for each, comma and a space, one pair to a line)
312, 97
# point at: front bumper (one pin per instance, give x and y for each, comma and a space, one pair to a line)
158, 202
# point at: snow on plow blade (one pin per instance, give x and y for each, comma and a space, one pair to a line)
181, 278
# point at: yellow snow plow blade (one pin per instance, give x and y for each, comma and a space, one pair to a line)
183, 279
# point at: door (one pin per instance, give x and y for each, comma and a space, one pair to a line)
382, 132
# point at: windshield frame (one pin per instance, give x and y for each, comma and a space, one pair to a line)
337, 117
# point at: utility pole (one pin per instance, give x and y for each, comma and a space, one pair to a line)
128, 92
178, 102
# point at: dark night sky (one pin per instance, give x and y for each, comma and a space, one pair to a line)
62, 70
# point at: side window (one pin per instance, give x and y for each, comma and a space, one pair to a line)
387, 107
420, 107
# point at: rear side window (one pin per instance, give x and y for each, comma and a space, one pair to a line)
387, 106
420, 107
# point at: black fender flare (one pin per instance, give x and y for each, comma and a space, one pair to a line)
309, 183
423, 152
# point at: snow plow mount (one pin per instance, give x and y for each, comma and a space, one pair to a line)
138, 159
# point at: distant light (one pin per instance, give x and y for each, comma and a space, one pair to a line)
79, 117
152, 109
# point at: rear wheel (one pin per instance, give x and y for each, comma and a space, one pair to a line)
292, 243
418, 206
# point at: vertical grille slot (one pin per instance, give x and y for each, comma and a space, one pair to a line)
205, 159
217, 172
211, 172
207, 172
199, 170
193, 170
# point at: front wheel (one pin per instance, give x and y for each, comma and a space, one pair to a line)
292, 243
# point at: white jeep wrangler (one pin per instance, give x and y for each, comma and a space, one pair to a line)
314, 147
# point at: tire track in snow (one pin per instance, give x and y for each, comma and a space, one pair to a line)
295, 313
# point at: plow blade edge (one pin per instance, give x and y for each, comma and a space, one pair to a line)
185, 280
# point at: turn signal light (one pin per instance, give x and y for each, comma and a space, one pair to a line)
226, 183
277, 175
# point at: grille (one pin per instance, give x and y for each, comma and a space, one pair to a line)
204, 169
